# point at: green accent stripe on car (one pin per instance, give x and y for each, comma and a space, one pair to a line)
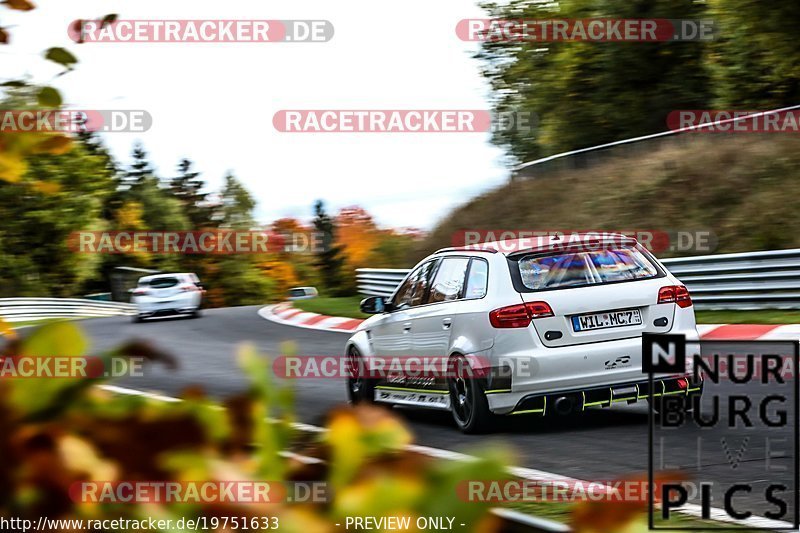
497, 391
542, 410
424, 391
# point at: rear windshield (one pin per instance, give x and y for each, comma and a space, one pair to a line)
577, 269
293, 293
163, 283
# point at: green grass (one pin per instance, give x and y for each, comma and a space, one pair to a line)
748, 317
347, 306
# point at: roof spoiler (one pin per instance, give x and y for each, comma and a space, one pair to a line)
589, 244
466, 249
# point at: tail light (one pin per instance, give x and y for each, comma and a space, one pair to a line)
140, 292
677, 294
519, 316
189, 288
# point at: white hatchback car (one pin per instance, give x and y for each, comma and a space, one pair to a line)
167, 294
556, 326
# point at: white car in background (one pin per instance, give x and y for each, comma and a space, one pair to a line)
167, 294
558, 329
302, 293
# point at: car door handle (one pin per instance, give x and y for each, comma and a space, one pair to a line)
406, 327
446, 323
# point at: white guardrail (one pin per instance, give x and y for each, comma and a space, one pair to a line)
18, 309
743, 281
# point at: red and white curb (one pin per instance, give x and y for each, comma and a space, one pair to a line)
284, 313
749, 332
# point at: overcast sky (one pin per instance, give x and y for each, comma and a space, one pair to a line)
214, 103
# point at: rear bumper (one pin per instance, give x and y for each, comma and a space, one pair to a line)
183, 303
504, 402
520, 370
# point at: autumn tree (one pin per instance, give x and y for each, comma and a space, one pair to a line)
357, 234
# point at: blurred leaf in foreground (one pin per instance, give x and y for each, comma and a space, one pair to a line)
61, 56
49, 97
108, 19
357, 435
20, 5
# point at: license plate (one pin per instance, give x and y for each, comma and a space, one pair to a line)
611, 319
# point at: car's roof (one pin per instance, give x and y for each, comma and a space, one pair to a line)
165, 275
536, 243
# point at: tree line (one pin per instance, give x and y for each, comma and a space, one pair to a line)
83, 188
588, 93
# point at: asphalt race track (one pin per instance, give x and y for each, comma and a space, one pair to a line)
601, 444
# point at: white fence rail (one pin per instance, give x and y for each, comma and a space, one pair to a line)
751, 280
18, 309
379, 281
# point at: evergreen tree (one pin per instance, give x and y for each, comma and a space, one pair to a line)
187, 187
330, 259
237, 204
140, 169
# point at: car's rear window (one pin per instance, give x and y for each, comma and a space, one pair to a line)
163, 283
294, 293
577, 269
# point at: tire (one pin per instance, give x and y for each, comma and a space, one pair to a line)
136, 319
360, 389
468, 402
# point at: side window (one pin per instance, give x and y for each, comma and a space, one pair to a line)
421, 283
478, 279
449, 280
402, 297
413, 288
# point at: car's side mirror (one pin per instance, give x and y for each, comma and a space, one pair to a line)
374, 305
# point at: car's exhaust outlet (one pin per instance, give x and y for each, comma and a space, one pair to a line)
565, 405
